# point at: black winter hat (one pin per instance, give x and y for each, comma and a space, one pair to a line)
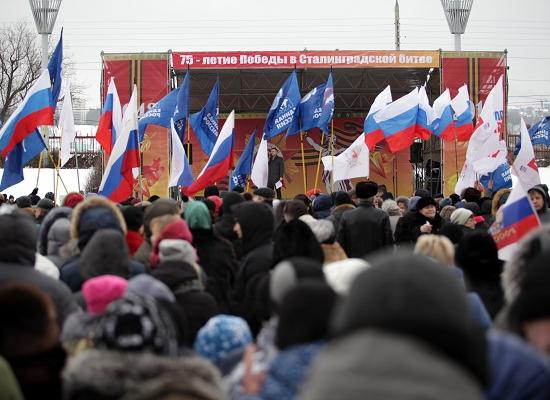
133, 217
211, 190
342, 198
422, 193
257, 224
105, 253
45, 204
418, 297
296, 239
50, 196
229, 200
477, 255
424, 202
18, 237
366, 190
304, 315
23, 202
264, 192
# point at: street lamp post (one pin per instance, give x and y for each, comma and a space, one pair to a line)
457, 13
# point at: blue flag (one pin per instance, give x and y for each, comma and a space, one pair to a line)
502, 178
539, 134
283, 108
205, 122
182, 108
327, 106
244, 165
55, 67
20, 155
160, 113
308, 112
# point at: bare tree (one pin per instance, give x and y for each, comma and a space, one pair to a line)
20, 65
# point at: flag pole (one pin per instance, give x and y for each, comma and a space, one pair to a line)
319, 159
247, 183
76, 165
57, 170
303, 161
39, 169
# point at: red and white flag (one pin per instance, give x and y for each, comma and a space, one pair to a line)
525, 166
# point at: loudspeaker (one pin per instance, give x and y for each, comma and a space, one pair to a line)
416, 153
188, 147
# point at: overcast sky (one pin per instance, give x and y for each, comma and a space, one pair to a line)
158, 25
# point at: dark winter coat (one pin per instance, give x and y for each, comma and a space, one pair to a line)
217, 259
364, 230
337, 212
276, 170
224, 229
257, 224
407, 230
197, 305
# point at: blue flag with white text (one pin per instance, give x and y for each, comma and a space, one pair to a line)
282, 109
327, 106
539, 134
244, 165
205, 122
55, 68
502, 178
182, 108
160, 113
309, 110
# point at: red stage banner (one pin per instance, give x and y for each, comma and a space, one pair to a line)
306, 59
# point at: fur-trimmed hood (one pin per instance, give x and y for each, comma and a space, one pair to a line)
498, 200
110, 374
86, 205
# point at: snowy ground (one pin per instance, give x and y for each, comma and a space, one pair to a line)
47, 181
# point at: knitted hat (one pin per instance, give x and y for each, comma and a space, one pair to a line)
323, 229
425, 202
264, 192
412, 202
340, 274
157, 209
72, 199
45, 204
342, 198
133, 217
23, 202
221, 336
101, 291
147, 285
460, 216
366, 190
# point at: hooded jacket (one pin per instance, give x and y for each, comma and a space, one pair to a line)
197, 305
257, 224
52, 217
226, 222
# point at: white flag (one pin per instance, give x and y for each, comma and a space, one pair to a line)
489, 157
260, 167
352, 163
66, 126
525, 166
466, 179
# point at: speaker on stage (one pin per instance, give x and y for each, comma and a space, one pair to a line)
416, 153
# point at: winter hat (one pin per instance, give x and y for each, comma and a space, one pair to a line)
295, 209
175, 230
295, 239
412, 202
446, 212
304, 314
422, 193
460, 216
72, 199
473, 207
197, 215
59, 213
264, 192
313, 192
391, 208
366, 190
455, 198
321, 205
229, 200
477, 255
58, 235
397, 295
146, 285
211, 190
157, 209
45, 204
445, 202
341, 274
342, 198
221, 336
50, 196
425, 202
23, 202
138, 324
133, 217
101, 291
453, 232
106, 253
288, 273
322, 229
257, 224
177, 250
218, 202
93, 219
18, 236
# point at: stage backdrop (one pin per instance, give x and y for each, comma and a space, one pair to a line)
480, 70
150, 73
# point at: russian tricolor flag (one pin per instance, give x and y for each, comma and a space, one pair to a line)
118, 179
373, 133
425, 116
398, 121
180, 172
220, 160
462, 108
110, 120
36, 110
443, 124
515, 219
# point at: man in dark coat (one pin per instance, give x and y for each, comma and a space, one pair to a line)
17, 257
365, 229
276, 170
255, 225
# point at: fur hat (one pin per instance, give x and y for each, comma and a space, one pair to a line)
460, 216
264, 192
366, 190
424, 202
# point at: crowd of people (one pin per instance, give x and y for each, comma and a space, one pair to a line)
348, 295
